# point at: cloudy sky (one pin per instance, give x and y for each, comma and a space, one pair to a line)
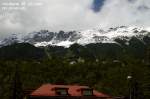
23, 16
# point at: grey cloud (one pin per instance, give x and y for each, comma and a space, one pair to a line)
143, 8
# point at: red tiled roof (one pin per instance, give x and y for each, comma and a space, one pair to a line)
99, 94
73, 90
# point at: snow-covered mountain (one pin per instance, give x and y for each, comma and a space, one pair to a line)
45, 38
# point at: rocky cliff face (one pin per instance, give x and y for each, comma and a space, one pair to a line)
61, 38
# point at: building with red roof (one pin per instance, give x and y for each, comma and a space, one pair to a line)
49, 91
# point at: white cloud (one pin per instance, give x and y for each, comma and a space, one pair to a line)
123, 12
58, 15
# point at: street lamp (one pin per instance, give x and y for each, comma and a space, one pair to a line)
130, 86
129, 77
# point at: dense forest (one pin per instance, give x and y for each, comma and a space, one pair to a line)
104, 67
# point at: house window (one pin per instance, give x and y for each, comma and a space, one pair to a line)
62, 91
87, 92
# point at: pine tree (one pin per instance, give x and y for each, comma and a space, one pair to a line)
17, 92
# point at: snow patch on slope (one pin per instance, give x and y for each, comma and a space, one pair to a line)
66, 39
63, 43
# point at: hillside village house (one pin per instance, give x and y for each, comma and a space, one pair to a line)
49, 91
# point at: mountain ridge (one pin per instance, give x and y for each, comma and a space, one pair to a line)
66, 39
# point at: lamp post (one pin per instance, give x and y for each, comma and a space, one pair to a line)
129, 78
